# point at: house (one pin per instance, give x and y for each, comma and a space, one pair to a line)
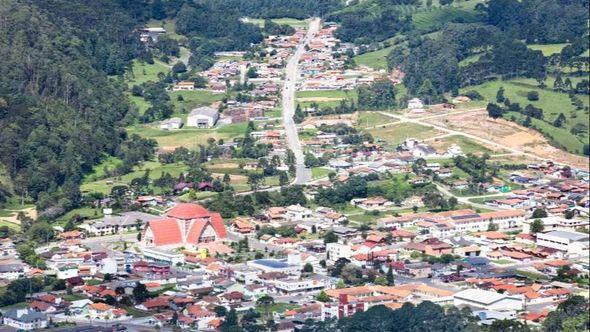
418, 270
25, 319
11, 271
103, 311
202, 117
186, 224
171, 124
184, 86
415, 104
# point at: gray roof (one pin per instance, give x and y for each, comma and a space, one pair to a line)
572, 236
126, 218
11, 267
205, 110
24, 315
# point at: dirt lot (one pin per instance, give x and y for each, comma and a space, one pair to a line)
509, 134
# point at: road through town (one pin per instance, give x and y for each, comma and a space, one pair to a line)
303, 174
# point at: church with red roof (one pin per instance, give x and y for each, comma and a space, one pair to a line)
186, 224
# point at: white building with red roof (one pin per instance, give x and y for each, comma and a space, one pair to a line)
187, 225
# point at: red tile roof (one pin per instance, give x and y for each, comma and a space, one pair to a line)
188, 211
218, 226
165, 231
195, 231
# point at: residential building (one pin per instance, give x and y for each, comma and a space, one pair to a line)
24, 319
488, 300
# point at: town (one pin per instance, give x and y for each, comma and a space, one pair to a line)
288, 184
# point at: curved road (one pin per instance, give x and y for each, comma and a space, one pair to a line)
303, 174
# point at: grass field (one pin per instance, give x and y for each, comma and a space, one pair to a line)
548, 49
371, 119
143, 72
327, 98
319, 172
190, 138
469, 60
429, 19
285, 20
169, 25
84, 212
192, 99
467, 145
553, 103
376, 59
395, 134
155, 168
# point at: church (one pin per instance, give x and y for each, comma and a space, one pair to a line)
185, 224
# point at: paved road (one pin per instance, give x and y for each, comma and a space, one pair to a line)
303, 174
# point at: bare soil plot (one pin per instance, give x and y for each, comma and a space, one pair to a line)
509, 134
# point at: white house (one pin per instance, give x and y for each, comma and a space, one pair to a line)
171, 124
335, 250
488, 300
184, 86
202, 117
25, 319
415, 103
298, 212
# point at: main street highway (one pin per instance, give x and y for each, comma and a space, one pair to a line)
303, 174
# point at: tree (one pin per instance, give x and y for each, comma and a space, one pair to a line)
389, 277
322, 297
492, 227
539, 213
446, 2
427, 92
532, 95
559, 121
537, 226
179, 67
500, 95
308, 268
220, 311
299, 115
230, 323
494, 111
330, 237
140, 293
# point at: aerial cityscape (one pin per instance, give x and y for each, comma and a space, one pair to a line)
294, 165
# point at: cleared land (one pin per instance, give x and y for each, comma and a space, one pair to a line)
551, 102
192, 99
509, 134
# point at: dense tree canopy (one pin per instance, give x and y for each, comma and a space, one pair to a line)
60, 112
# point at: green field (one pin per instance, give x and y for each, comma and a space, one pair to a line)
285, 20
155, 168
436, 17
143, 72
319, 172
469, 60
550, 101
84, 212
169, 25
376, 59
467, 145
326, 98
548, 49
193, 99
190, 138
371, 119
397, 133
